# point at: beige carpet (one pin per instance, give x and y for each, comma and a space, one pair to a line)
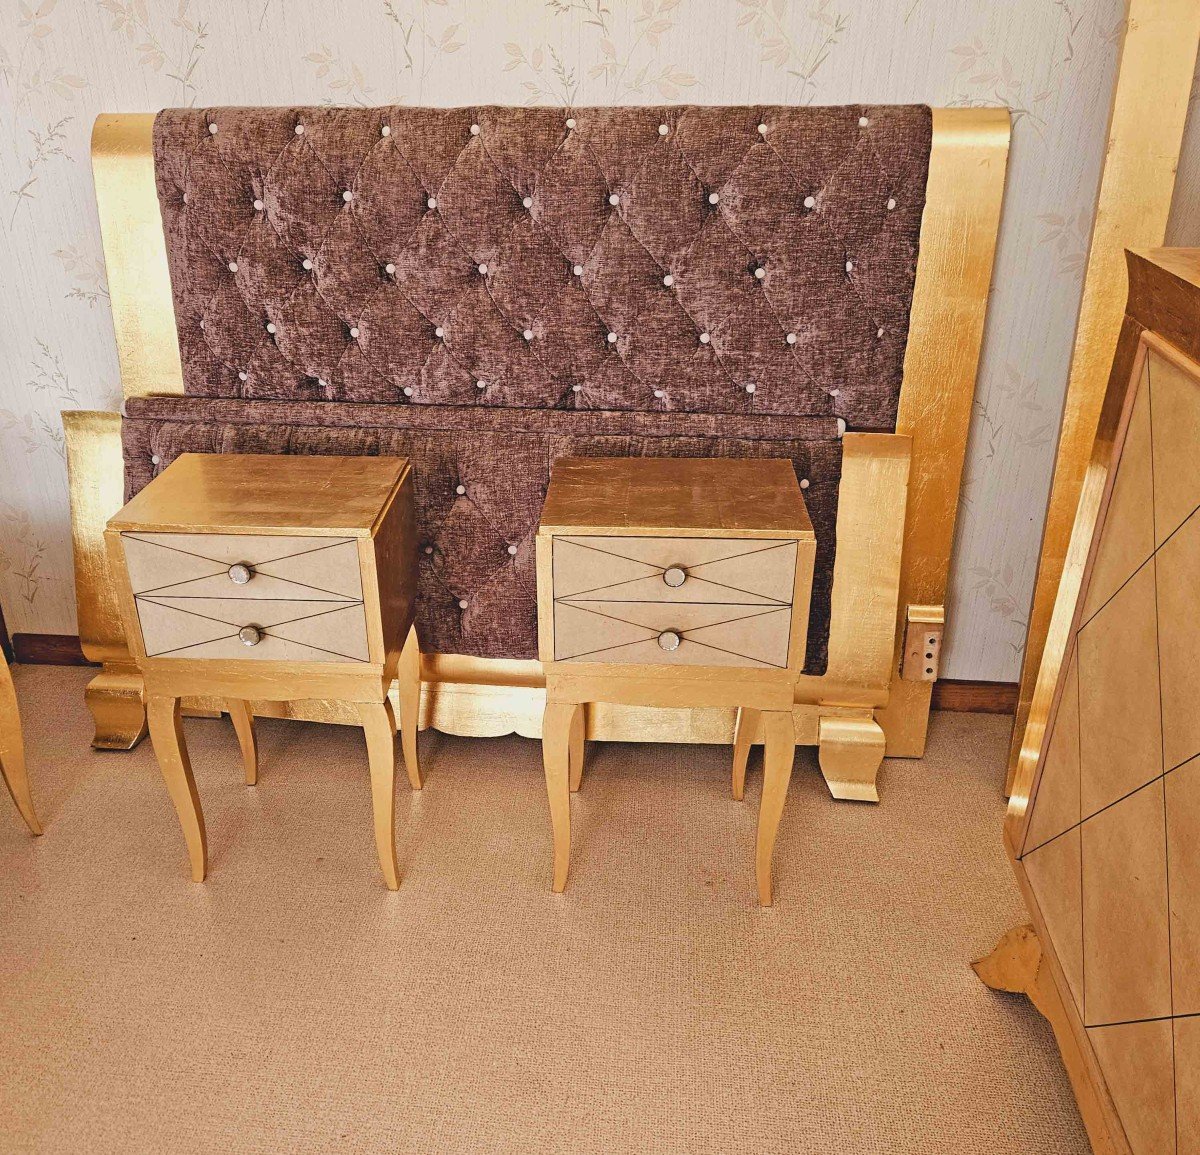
291, 1004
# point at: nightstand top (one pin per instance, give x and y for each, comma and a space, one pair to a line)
265, 493
717, 497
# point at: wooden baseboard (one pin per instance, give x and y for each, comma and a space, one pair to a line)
49, 650
975, 697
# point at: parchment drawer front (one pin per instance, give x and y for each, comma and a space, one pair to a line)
253, 629
729, 571
218, 565
672, 634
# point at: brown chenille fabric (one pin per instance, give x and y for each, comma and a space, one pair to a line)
485, 289
501, 459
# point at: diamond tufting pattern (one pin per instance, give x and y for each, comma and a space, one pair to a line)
487, 289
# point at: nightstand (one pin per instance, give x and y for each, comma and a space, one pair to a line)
673, 582
273, 578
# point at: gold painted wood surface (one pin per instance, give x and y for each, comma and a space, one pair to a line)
12, 750
966, 181
1102, 818
1150, 104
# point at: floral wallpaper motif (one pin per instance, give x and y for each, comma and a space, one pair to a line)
63, 61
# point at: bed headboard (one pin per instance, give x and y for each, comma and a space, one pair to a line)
717, 260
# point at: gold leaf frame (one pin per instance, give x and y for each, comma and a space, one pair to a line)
894, 537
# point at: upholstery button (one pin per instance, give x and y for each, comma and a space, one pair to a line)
751, 387
155, 459
528, 334
668, 280
460, 490
849, 266
663, 130
322, 383
512, 551
439, 332
201, 324
233, 266
611, 338
810, 202
659, 394
804, 483
213, 129
527, 202
270, 326
306, 264
385, 130
835, 392
429, 549
863, 122
354, 331
762, 130
576, 388
613, 199
570, 122
347, 196
474, 130
390, 269
878, 332
791, 338
891, 204
299, 130
185, 198
841, 426
483, 270
713, 198
481, 384
242, 375
577, 270
258, 206
704, 338
760, 272
407, 390
462, 605
432, 202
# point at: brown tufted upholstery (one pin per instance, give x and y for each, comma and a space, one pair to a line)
316, 253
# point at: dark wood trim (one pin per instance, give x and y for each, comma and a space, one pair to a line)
49, 650
975, 697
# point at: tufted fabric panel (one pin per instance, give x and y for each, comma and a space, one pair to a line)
520, 257
501, 460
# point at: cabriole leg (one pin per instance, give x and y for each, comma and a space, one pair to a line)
12, 750
779, 752
166, 734
578, 746
379, 725
243, 727
557, 723
744, 730
408, 692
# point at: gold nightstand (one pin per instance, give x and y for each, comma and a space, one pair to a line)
273, 578
673, 582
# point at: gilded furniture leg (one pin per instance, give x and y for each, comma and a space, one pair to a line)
116, 699
557, 724
166, 733
408, 694
243, 726
577, 746
779, 751
12, 750
850, 753
379, 725
744, 730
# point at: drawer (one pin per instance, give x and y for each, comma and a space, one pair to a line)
291, 630
661, 633
678, 570
204, 565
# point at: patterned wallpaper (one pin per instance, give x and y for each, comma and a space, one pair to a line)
63, 61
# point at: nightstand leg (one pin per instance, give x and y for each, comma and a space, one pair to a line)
379, 725
166, 735
12, 750
557, 723
744, 730
408, 688
779, 751
577, 746
243, 727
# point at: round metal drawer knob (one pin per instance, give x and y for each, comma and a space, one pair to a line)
250, 635
675, 576
669, 640
240, 573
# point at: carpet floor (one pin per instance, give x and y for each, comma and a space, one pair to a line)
292, 1004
